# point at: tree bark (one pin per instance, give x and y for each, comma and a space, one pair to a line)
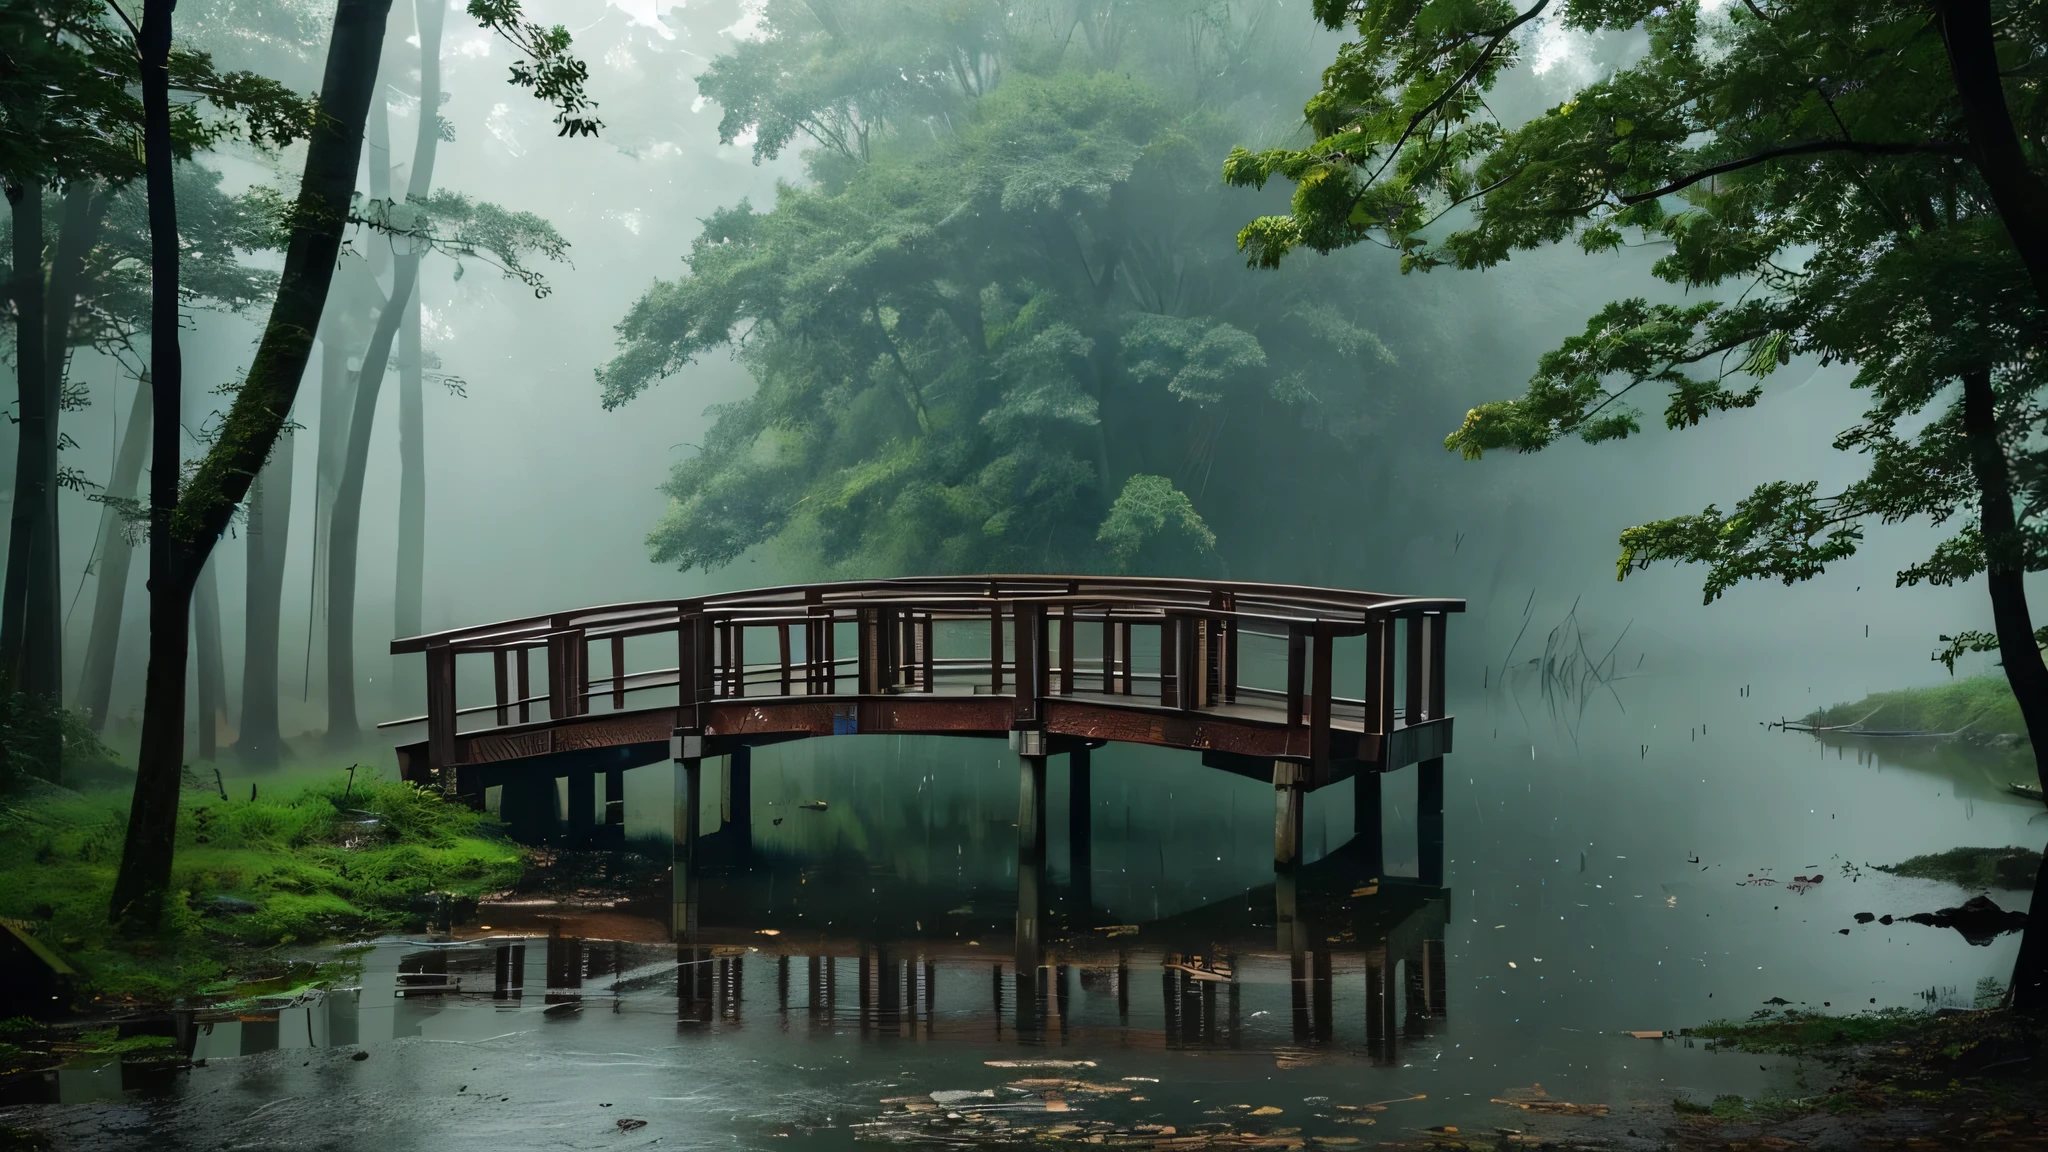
35, 434
185, 530
153, 811
261, 744
345, 524
2025, 670
116, 552
2017, 191
213, 680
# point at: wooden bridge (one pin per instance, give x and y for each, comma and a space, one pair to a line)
1301, 686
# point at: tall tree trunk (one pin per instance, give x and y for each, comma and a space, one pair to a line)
153, 811
84, 207
2017, 191
115, 552
36, 434
408, 608
261, 744
185, 531
213, 679
337, 397
345, 527
2025, 671
412, 487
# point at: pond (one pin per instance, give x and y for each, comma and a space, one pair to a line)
855, 975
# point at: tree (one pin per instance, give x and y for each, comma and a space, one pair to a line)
457, 225
188, 518
71, 119
1856, 174
218, 233
995, 330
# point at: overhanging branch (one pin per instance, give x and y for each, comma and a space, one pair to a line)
1804, 148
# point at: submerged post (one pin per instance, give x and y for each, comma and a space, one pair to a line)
1367, 816
1030, 846
1080, 827
738, 808
686, 750
1287, 810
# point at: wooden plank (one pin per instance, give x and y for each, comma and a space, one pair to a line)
1109, 634
1379, 676
1169, 662
1415, 685
995, 649
1437, 629
739, 658
619, 673
1319, 701
441, 715
525, 688
1297, 673
1124, 645
500, 679
1029, 625
1067, 651
1229, 650
925, 640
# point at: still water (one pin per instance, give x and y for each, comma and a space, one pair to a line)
855, 972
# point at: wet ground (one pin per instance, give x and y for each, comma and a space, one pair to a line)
856, 973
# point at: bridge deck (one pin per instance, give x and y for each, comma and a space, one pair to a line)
1248, 674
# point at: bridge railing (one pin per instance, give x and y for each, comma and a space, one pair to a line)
1322, 660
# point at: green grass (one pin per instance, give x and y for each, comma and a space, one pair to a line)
2009, 868
309, 871
1983, 703
1792, 1032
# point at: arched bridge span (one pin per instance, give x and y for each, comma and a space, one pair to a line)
1305, 686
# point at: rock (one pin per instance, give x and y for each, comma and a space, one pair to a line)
359, 1055
627, 1124
228, 906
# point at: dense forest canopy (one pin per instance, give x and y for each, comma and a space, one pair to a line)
1001, 325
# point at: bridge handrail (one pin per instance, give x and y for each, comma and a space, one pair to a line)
1033, 628
1308, 603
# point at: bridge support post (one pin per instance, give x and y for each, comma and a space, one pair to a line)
1030, 853
1080, 828
1287, 931
615, 805
1287, 807
1429, 822
582, 807
1367, 821
688, 798
736, 810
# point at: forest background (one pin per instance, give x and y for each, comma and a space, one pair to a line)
963, 169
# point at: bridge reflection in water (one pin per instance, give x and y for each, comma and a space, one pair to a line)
1329, 958
1374, 985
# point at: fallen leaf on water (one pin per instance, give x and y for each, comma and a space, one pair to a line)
1267, 1110
1039, 1063
1658, 1035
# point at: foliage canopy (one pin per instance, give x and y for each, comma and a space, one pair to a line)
995, 330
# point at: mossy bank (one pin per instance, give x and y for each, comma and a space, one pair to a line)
253, 877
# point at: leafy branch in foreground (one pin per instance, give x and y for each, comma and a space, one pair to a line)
553, 73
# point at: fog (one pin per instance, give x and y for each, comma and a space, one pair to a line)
539, 499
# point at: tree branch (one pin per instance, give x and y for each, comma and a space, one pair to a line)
1804, 148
